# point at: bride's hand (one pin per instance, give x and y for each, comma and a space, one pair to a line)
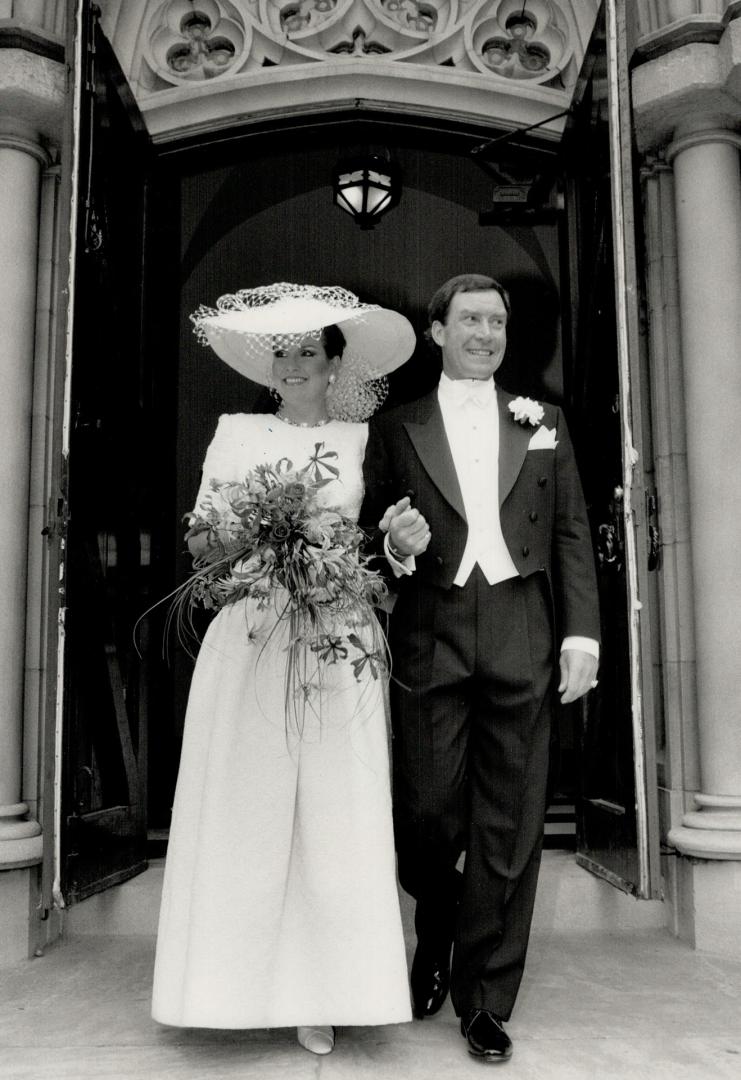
204, 543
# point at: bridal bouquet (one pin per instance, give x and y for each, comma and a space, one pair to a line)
273, 541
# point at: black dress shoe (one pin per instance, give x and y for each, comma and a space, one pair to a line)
430, 981
486, 1037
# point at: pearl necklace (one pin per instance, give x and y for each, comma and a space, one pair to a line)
302, 423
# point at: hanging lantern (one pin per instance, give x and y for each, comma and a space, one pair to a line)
366, 187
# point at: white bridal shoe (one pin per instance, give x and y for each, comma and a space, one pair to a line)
318, 1040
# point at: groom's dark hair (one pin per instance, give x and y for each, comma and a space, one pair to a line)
439, 305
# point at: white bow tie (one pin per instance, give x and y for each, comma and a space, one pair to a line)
462, 391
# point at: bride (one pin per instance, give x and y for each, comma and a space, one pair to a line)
280, 905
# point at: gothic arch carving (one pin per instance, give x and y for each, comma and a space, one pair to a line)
213, 57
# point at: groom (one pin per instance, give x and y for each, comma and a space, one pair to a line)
479, 498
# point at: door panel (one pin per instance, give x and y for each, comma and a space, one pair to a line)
617, 821
110, 497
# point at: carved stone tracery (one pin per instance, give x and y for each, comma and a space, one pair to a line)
195, 40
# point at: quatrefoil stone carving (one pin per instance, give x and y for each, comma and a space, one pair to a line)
197, 40
517, 40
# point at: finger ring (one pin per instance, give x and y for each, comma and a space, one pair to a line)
593, 683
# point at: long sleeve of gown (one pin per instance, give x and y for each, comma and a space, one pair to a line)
219, 463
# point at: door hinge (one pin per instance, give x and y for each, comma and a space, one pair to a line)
652, 527
57, 518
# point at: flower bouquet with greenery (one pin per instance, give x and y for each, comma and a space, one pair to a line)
271, 540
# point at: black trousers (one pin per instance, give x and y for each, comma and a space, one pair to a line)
471, 703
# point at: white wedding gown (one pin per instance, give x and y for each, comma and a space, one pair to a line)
280, 904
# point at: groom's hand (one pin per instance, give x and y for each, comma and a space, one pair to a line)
391, 512
407, 529
578, 672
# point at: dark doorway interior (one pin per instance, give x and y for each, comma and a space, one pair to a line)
259, 210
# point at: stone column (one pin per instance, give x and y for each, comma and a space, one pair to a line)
668, 424
21, 162
705, 160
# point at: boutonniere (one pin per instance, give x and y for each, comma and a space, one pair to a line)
526, 411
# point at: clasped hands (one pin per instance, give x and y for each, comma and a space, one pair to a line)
408, 532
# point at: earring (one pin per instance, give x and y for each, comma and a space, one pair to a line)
275, 395
332, 378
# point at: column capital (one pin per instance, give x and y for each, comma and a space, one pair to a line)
700, 136
33, 89
19, 136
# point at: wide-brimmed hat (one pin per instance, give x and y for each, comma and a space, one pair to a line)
246, 327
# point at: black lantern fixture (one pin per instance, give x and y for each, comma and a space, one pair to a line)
366, 187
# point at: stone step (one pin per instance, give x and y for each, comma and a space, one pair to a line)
569, 900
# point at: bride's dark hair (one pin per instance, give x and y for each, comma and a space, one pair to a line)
333, 340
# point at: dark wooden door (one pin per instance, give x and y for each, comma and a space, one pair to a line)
110, 495
617, 820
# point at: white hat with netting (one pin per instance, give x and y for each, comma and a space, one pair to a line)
247, 327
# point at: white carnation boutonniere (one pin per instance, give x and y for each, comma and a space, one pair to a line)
526, 411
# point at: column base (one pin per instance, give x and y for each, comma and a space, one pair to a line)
709, 914
709, 880
713, 831
17, 896
21, 842
711, 843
